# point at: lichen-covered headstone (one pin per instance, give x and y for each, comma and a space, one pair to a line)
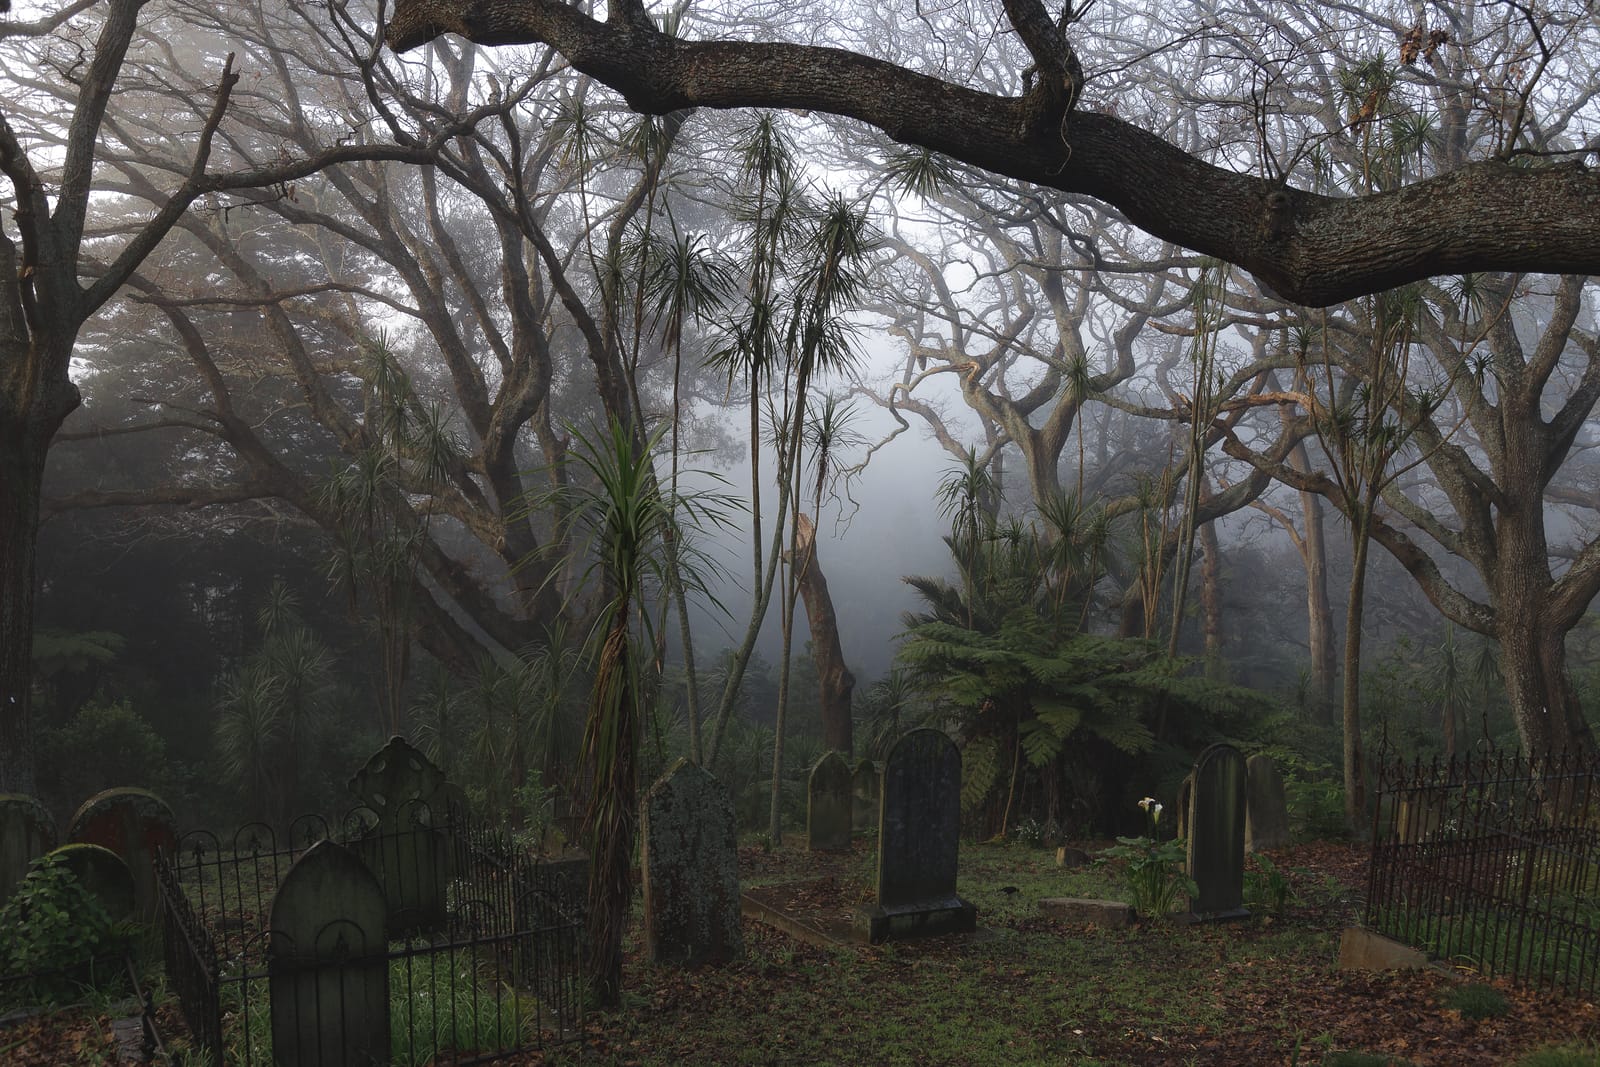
1216, 833
26, 831
327, 966
919, 843
690, 868
828, 805
135, 824
104, 875
408, 846
1266, 811
864, 803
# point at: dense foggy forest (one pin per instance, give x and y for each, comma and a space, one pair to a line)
344, 426
571, 390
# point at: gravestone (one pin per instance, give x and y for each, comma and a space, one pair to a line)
690, 868
1266, 810
135, 824
104, 875
864, 785
26, 831
829, 804
1216, 834
409, 845
920, 835
327, 966
1185, 791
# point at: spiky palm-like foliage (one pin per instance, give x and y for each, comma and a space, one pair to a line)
633, 527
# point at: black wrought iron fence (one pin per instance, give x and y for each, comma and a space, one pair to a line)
479, 954
1492, 861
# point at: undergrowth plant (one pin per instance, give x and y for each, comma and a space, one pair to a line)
1154, 873
56, 929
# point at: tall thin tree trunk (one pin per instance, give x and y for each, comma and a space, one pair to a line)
1211, 597
22, 456
1319, 611
834, 680
1355, 780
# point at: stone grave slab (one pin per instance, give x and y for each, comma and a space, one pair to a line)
864, 788
1216, 834
135, 824
1266, 810
103, 875
919, 843
690, 869
26, 832
829, 804
327, 966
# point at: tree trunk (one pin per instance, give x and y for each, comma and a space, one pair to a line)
1319, 612
1211, 598
834, 680
1533, 660
1355, 774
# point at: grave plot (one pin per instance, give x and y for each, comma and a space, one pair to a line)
409, 934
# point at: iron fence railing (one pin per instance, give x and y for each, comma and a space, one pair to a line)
483, 958
1492, 861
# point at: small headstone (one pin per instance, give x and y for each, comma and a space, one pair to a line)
828, 805
1266, 812
408, 846
26, 831
135, 824
690, 869
1216, 834
919, 843
104, 875
327, 971
1067, 856
864, 784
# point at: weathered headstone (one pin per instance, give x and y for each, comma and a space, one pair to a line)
104, 875
918, 844
690, 868
135, 824
1266, 811
327, 966
828, 805
864, 789
1216, 834
408, 846
1185, 792
26, 831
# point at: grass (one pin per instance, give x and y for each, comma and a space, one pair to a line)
1562, 1056
1477, 1001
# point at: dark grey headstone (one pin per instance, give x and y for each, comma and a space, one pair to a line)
26, 831
919, 843
690, 869
104, 875
828, 805
865, 788
409, 846
135, 824
1216, 833
327, 966
1266, 812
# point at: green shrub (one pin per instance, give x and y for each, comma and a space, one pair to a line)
54, 929
1266, 886
1477, 1001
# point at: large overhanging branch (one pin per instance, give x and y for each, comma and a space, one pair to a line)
1310, 249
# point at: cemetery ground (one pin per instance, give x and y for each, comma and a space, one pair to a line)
1035, 990
1026, 990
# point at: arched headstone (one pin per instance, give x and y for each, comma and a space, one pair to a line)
919, 843
26, 831
1266, 810
828, 805
1216, 833
103, 875
327, 965
135, 824
409, 846
864, 797
690, 867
